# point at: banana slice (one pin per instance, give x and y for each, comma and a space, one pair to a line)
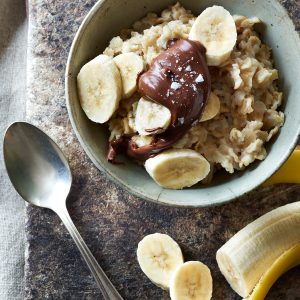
191, 281
100, 88
177, 168
212, 107
130, 65
158, 256
215, 29
151, 118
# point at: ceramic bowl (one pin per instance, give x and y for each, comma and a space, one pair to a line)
107, 18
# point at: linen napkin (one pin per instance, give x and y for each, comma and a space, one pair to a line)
13, 32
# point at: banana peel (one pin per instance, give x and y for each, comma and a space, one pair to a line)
288, 260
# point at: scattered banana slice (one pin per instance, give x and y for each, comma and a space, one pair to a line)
212, 107
251, 251
191, 281
100, 88
151, 118
159, 255
130, 65
177, 168
285, 262
215, 29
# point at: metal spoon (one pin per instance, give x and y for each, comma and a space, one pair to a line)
41, 175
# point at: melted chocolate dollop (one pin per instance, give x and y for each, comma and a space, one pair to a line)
179, 80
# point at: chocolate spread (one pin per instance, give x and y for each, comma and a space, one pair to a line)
179, 80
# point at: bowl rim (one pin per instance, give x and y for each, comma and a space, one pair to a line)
110, 175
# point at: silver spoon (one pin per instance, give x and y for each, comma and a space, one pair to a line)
41, 175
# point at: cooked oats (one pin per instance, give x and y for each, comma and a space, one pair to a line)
246, 85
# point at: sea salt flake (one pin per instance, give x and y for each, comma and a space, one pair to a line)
179, 69
181, 120
188, 68
175, 85
199, 78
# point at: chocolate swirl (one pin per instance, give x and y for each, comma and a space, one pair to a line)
179, 80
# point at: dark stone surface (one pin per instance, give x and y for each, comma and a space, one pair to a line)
293, 9
110, 220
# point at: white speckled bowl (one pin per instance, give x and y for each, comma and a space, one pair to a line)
107, 18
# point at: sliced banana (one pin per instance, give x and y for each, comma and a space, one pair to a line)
212, 107
100, 88
151, 118
158, 256
191, 281
215, 29
130, 65
177, 168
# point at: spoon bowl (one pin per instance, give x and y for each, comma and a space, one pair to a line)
35, 165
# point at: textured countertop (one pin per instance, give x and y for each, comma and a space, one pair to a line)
110, 220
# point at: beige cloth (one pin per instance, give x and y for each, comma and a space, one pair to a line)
13, 38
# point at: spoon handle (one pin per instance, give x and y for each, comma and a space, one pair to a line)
109, 292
